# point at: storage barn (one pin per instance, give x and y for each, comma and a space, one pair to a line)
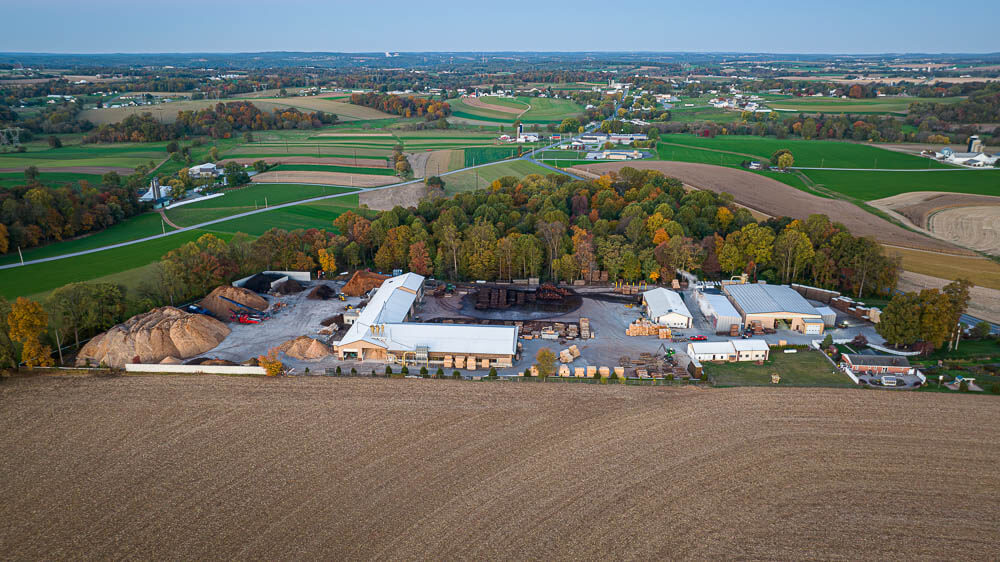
828, 315
382, 333
769, 304
719, 311
729, 351
667, 308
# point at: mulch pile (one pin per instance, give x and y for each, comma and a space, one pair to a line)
362, 282
261, 283
321, 292
289, 287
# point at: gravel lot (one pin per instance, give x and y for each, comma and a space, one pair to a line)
206, 467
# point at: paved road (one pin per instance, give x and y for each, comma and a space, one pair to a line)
896, 170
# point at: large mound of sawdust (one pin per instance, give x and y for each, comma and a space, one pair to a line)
154, 336
362, 282
221, 308
304, 347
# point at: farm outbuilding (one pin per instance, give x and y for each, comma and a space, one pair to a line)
828, 315
382, 333
729, 351
719, 311
667, 308
770, 304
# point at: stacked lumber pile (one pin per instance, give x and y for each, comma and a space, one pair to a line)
585, 328
643, 327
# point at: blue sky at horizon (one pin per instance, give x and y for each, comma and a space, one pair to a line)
782, 26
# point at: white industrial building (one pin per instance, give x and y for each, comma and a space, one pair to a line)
769, 304
382, 332
719, 311
667, 308
729, 351
207, 170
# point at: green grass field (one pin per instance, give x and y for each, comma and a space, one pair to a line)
247, 198
467, 180
894, 105
331, 168
484, 154
124, 155
804, 368
139, 226
319, 214
807, 153
54, 179
868, 185
42, 277
543, 110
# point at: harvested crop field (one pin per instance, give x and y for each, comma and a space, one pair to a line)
169, 467
984, 302
476, 102
405, 195
321, 161
325, 178
775, 198
973, 227
916, 206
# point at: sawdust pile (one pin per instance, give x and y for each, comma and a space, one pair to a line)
304, 347
160, 335
221, 308
362, 282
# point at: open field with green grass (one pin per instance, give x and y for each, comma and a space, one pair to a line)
130, 265
869, 185
467, 180
43, 277
884, 105
506, 102
482, 155
803, 368
328, 168
543, 110
247, 198
139, 226
807, 153
11, 179
118, 155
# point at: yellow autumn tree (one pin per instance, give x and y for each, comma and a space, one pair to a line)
27, 320
272, 365
660, 236
326, 260
724, 217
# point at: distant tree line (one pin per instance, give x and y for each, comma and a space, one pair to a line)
220, 121
406, 106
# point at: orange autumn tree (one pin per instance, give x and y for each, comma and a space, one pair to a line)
27, 320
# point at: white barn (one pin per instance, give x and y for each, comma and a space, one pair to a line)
666, 307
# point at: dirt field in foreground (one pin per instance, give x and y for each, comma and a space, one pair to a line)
325, 178
224, 467
775, 198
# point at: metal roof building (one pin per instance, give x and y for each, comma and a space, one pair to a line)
381, 331
666, 307
720, 311
769, 304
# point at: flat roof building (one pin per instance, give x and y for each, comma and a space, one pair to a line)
729, 351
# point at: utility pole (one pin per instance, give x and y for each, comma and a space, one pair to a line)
20, 255
265, 202
59, 347
163, 225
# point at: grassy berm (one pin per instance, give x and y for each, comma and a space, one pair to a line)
182, 467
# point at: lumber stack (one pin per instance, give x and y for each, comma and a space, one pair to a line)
585, 328
565, 356
563, 370
574, 351
642, 327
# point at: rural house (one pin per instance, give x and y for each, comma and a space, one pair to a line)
878, 364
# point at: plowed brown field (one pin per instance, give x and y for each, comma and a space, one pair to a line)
319, 161
290, 469
775, 198
325, 178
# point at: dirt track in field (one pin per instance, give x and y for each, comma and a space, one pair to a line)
97, 170
325, 178
476, 102
775, 198
318, 161
207, 467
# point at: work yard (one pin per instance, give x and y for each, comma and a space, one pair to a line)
403, 469
775, 198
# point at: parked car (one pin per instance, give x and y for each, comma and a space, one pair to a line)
698, 338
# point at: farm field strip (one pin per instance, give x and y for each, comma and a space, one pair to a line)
868, 185
377, 450
331, 168
466, 180
167, 112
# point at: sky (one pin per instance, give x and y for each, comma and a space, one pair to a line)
782, 26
